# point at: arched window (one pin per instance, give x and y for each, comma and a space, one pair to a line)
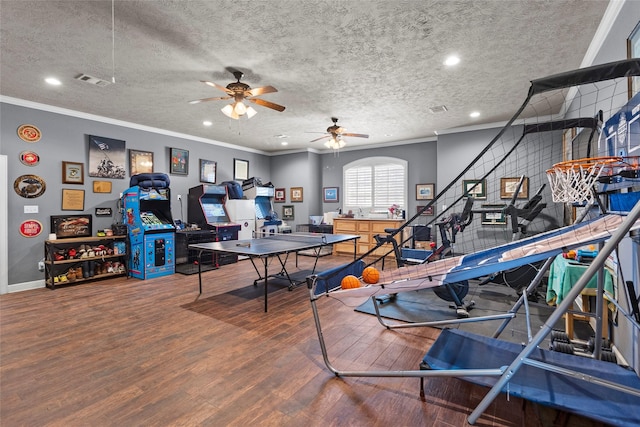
374, 184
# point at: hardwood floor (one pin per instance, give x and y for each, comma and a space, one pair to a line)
125, 352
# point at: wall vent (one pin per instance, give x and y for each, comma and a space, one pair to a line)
438, 109
93, 80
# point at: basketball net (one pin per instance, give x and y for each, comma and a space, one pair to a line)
574, 180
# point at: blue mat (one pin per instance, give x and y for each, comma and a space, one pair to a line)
457, 349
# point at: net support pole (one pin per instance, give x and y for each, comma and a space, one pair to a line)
566, 304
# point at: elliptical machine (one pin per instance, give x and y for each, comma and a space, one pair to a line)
451, 225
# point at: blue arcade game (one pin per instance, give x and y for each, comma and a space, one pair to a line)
147, 214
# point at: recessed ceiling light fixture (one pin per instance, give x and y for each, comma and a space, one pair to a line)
53, 81
284, 143
452, 60
207, 123
475, 114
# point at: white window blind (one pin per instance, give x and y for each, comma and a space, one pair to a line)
375, 183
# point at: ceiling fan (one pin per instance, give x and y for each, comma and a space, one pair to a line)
336, 133
239, 92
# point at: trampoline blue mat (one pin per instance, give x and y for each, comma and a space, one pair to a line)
458, 349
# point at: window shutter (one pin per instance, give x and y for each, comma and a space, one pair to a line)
375, 183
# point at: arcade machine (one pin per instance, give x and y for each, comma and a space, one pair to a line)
206, 208
147, 215
243, 212
266, 221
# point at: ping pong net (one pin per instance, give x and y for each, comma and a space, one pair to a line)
574, 180
302, 238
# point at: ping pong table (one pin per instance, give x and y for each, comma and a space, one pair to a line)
278, 246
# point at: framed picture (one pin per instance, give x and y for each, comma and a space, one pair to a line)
72, 200
425, 191
208, 171
106, 157
287, 212
72, 173
330, 194
633, 51
179, 161
66, 226
494, 215
296, 194
140, 162
102, 186
509, 185
240, 169
476, 188
427, 212
280, 195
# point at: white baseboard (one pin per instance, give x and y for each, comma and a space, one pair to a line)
26, 286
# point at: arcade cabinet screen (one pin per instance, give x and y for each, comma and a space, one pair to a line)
213, 211
149, 218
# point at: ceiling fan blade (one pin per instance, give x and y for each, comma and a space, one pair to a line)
357, 135
322, 137
217, 86
260, 90
267, 104
217, 98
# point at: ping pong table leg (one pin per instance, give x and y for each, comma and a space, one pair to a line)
200, 271
266, 280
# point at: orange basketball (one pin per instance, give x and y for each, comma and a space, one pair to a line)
350, 282
371, 275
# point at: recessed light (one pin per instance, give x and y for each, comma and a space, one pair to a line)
207, 123
475, 114
284, 143
53, 81
451, 60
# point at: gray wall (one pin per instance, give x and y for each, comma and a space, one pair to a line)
64, 138
423, 167
298, 170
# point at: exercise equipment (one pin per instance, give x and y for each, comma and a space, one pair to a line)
451, 225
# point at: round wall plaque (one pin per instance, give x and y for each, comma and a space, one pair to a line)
29, 186
29, 133
31, 228
29, 158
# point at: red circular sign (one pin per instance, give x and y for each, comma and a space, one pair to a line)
31, 228
29, 158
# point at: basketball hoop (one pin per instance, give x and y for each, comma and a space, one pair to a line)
573, 180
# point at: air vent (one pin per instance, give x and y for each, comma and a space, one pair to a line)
438, 109
93, 80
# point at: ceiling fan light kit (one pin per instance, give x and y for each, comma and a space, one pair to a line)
335, 144
237, 110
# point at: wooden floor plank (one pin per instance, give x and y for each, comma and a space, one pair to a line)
129, 352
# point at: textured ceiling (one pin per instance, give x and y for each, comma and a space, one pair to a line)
377, 65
